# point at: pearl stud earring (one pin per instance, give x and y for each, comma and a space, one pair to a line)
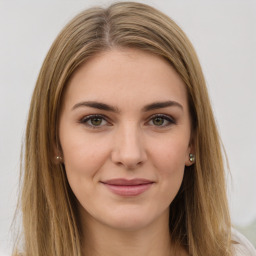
191, 158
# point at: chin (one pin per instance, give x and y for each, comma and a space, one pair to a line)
128, 222
134, 219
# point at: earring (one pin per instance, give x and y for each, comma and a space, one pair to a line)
59, 158
191, 158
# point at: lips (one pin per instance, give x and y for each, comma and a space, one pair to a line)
124, 187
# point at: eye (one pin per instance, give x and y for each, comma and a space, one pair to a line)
161, 120
94, 121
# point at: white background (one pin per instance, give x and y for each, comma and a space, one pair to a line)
224, 35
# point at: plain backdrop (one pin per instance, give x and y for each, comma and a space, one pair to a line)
224, 36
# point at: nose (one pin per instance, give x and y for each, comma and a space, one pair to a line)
128, 149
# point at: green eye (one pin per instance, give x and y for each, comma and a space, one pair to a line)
161, 120
96, 121
158, 121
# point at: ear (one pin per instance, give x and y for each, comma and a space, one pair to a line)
190, 154
190, 159
57, 155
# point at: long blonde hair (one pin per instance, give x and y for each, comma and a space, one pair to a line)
199, 215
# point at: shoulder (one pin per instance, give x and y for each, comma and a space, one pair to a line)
243, 246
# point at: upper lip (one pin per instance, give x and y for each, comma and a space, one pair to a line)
127, 182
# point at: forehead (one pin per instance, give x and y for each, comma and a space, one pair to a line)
126, 76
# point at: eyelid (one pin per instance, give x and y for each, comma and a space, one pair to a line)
169, 118
85, 119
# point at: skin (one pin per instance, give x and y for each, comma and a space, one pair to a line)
129, 142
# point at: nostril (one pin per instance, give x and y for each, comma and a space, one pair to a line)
131, 164
128, 151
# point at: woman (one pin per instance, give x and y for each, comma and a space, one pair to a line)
122, 154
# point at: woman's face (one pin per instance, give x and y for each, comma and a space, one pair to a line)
125, 137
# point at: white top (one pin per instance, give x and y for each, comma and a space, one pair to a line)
244, 248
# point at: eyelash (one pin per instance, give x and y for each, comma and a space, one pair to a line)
86, 119
170, 120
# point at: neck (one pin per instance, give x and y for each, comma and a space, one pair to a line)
100, 239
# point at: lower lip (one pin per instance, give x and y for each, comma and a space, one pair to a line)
132, 190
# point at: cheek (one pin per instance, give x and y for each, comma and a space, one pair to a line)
82, 155
170, 155
83, 159
169, 159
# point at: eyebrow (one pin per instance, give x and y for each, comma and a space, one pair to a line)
164, 104
106, 107
97, 105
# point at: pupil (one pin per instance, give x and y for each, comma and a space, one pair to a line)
96, 121
158, 121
